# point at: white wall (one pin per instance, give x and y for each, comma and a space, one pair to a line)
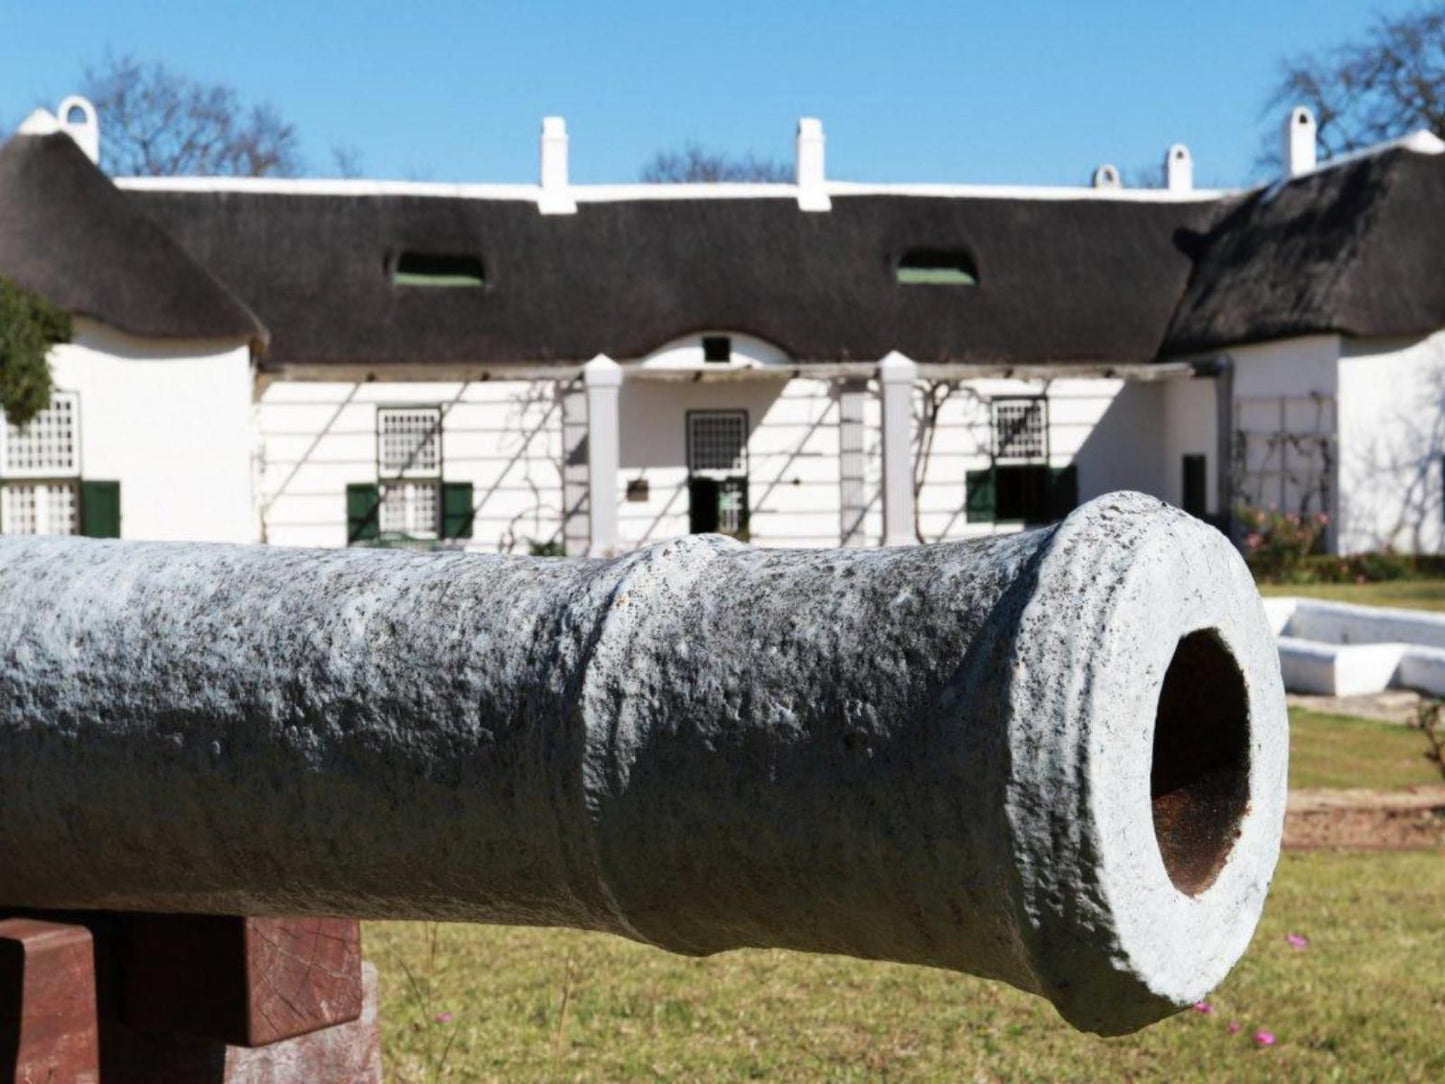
169, 421
1190, 427
1391, 444
1292, 367
792, 452
1288, 386
1109, 428
504, 437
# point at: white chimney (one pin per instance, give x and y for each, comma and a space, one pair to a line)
78, 120
1300, 131
556, 197
1107, 176
75, 116
1178, 168
810, 172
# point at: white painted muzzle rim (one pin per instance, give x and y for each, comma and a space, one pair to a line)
1165, 915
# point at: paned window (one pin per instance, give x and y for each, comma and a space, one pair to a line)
717, 440
1021, 428
409, 442
47, 447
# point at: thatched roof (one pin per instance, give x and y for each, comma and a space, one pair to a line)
1352, 248
1356, 248
71, 236
1083, 279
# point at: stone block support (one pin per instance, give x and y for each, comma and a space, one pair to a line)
896, 377
1048, 758
602, 377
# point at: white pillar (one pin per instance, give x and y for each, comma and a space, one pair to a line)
852, 462
1299, 141
896, 376
810, 170
602, 378
576, 528
556, 198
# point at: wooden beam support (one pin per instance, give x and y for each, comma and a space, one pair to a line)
240, 981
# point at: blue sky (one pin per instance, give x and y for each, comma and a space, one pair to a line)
1031, 91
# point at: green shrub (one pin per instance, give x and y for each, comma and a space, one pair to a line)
1285, 548
1277, 544
29, 327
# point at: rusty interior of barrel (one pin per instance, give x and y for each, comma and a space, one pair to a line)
1199, 778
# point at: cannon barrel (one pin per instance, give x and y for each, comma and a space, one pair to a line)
1055, 758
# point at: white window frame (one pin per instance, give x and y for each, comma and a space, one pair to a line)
397, 519
1005, 454
433, 412
9, 471
42, 493
42, 482
739, 466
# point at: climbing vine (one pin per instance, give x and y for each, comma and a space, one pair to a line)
29, 327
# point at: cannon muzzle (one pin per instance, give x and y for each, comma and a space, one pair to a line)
1055, 758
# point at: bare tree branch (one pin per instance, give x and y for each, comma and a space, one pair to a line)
158, 122
1387, 85
347, 160
692, 164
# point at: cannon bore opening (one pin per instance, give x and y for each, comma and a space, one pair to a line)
1199, 777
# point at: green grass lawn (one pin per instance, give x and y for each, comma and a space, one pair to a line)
1337, 751
1365, 1001
1412, 594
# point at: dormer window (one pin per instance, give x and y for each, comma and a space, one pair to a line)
717, 348
436, 270
936, 267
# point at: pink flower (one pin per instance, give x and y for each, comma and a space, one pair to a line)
1234, 1026
1297, 941
1253, 540
1324, 519
444, 1018
1264, 1038
1203, 1006
1359, 579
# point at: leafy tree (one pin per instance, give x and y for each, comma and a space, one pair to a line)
158, 122
29, 327
693, 164
1388, 84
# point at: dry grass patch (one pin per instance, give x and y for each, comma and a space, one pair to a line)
1364, 1001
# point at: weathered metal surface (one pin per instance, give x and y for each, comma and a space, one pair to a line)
1054, 758
48, 1027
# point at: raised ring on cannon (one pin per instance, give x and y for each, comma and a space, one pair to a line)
1055, 758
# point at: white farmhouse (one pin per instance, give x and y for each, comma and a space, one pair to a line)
586, 369
149, 433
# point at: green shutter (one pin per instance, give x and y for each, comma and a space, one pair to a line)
100, 509
457, 510
979, 496
363, 499
1063, 491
